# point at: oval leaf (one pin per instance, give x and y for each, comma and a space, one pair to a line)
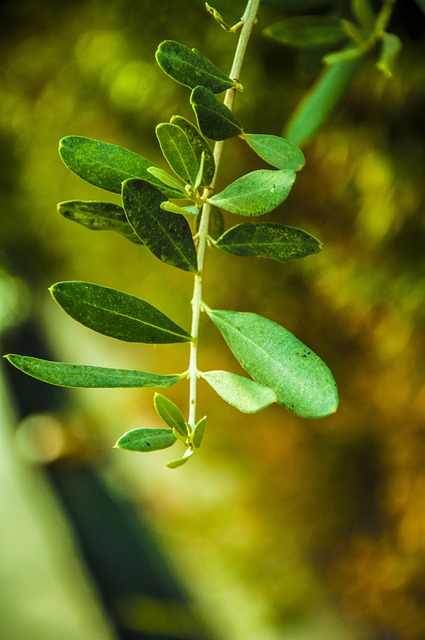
255, 193
98, 216
275, 358
199, 145
116, 314
144, 440
242, 393
166, 234
171, 414
86, 376
190, 67
107, 165
178, 151
307, 31
215, 120
268, 240
197, 434
277, 151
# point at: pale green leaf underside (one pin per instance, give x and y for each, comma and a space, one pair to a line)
166, 234
143, 440
178, 151
180, 461
277, 151
242, 393
107, 165
268, 240
197, 434
98, 216
166, 178
255, 193
275, 358
200, 145
86, 376
170, 414
116, 314
190, 67
215, 120
307, 31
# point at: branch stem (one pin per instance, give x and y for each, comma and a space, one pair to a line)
248, 20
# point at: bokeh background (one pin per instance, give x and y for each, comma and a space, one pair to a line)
279, 527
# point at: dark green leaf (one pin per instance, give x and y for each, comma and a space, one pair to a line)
268, 240
190, 67
216, 223
86, 376
215, 120
166, 234
421, 5
242, 393
199, 145
277, 151
391, 47
107, 165
307, 31
255, 193
171, 415
296, 5
98, 216
275, 358
197, 434
178, 151
144, 440
116, 314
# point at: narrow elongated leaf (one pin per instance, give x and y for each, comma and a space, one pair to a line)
391, 47
190, 67
200, 146
215, 120
242, 393
363, 11
144, 440
98, 216
255, 193
268, 240
277, 151
197, 434
180, 461
166, 178
275, 358
171, 414
107, 165
178, 151
116, 314
86, 376
166, 234
307, 31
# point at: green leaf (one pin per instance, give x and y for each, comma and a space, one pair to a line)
166, 178
320, 102
143, 440
191, 68
343, 55
98, 216
178, 463
275, 358
363, 11
307, 31
178, 151
171, 414
215, 120
197, 434
242, 393
107, 165
277, 151
268, 240
86, 376
199, 145
116, 314
173, 208
166, 234
391, 47
255, 193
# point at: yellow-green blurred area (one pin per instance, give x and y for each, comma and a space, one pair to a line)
279, 528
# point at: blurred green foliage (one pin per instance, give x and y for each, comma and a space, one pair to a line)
300, 530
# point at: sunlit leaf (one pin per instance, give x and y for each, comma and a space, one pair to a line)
166, 234
166, 178
86, 376
98, 216
215, 120
190, 67
277, 151
307, 31
255, 193
268, 240
200, 145
391, 47
180, 461
107, 165
242, 393
178, 151
144, 440
116, 314
197, 434
275, 358
171, 415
